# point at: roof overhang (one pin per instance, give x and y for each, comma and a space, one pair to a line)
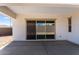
7, 11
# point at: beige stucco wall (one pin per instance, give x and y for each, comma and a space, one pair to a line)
19, 26
74, 35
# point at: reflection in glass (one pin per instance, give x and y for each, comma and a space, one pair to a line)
31, 30
40, 30
50, 29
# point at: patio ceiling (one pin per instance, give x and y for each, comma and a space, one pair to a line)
7, 11
30, 8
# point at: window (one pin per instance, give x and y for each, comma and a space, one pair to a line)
69, 24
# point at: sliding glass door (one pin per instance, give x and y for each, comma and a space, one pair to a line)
40, 29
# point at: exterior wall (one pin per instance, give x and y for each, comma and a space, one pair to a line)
61, 28
74, 35
19, 26
19, 29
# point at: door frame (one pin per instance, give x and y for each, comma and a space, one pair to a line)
35, 19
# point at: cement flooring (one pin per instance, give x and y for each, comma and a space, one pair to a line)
40, 48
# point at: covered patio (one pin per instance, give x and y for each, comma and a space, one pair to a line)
42, 29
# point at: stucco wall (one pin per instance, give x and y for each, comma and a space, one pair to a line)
19, 26
61, 28
19, 29
74, 35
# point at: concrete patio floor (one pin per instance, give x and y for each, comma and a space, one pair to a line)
40, 48
4, 40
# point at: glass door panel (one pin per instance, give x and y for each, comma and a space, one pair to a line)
31, 30
40, 29
50, 29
